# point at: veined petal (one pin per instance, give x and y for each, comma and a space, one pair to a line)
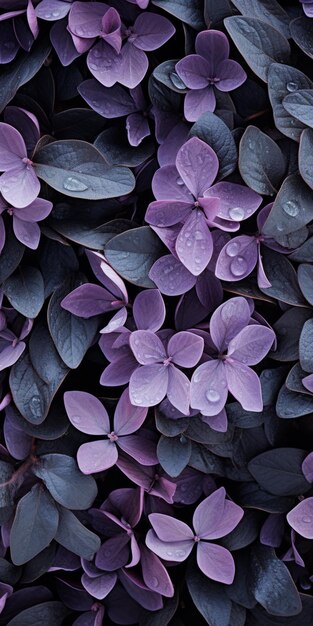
245, 385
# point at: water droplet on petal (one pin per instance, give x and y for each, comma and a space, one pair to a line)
307, 519
292, 86
236, 214
154, 581
212, 395
179, 181
180, 553
238, 266
232, 249
169, 553
72, 184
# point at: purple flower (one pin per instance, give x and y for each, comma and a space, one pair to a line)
239, 256
210, 68
159, 377
89, 300
214, 517
239, 343
16, 33
300, 518
19, 184
25, 220
108, 62
89, 416
188, 201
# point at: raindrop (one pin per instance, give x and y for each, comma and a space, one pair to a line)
212, 395
292, 87
35, 406
180, 553
76, 419
236, 213
307, 519
291, 208
169, 553
72, 184
154, 581
238, 266
232, 249
55, 13
179, 181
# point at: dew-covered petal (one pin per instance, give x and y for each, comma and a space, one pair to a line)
147, 347
12, 148
178, 391
216, 562
96, 456
113, 553
194, 71
128, 418
176, 551
194, 243
110, 102
10, 354
245, 386
104, 64
185, 348
171, 276
237, 258
52, 10
137, 127
149, 310
198, 102
208, 389
20, 186
85, 19
208, 514
228, 320
237, 202
88, 300
231, 75
212, 45
133, 66
148, 385
117, 321
139, 448
86, 413
99, 586
300, 518
152, 31
252, 344
197, 165
167, 212
155, 574
167, 184
27, 233
168, 528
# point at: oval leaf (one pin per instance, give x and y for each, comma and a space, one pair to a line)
211, 129
174, 454
25, 291
261, 161
279, 471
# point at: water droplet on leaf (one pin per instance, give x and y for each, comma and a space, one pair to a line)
72, 184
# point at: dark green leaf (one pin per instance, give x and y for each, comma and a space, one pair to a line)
47, 363
205, 461
272, 584
77, 169
283, 278
25, 291
300, 106
201, 432
39, 565
133, 253
282, 80
34, 526
261, 161
288, 330
48, 613
55, 425
305, 275
75, 537
189, 11
174, 454
252, 496
170, 427
215, 12
306, 345
259, 43
72, 335
163, 616
290, 404
294, 379
245, 533
269, 11
67, 485
292, 209
31, 394
165, 73
304, 253
9, 573
113, 145
94, 238
302, 32
77, 124
279, 471
11, 254
240, 418
306, 156
211, 129
56, 263
209, 597
7, 485
271, 381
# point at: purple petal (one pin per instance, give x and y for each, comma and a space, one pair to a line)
209, 513
13, 148
26, 123
20, 187
100, 586
137, 127
137, 590
171, 143
155, 574
149, 310
231, 75
128, 418
194, 71
171, 277
96, 456
88, 300
251, 345
194, 244
62, 43
213, 46
178, 391
208, 390
139, 448
198, 102
113, 553
237, 202
263, 281
301, 518
117, 321
307, 467
11, 354
228, 320
185, 349
231, 514
119, 371
86, 413
34, 212
245, 386
104, 64
237, 259
2, 234
152, 31
168, 528
109, 102
197, 165
216, 562
174, 550
148, 385
147, 347
217, 422
167, 212
210, 207
26, 232
133, 66
168, 185
109, 278
307, 382
111, 29
52, 10
32, 19
85, 19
